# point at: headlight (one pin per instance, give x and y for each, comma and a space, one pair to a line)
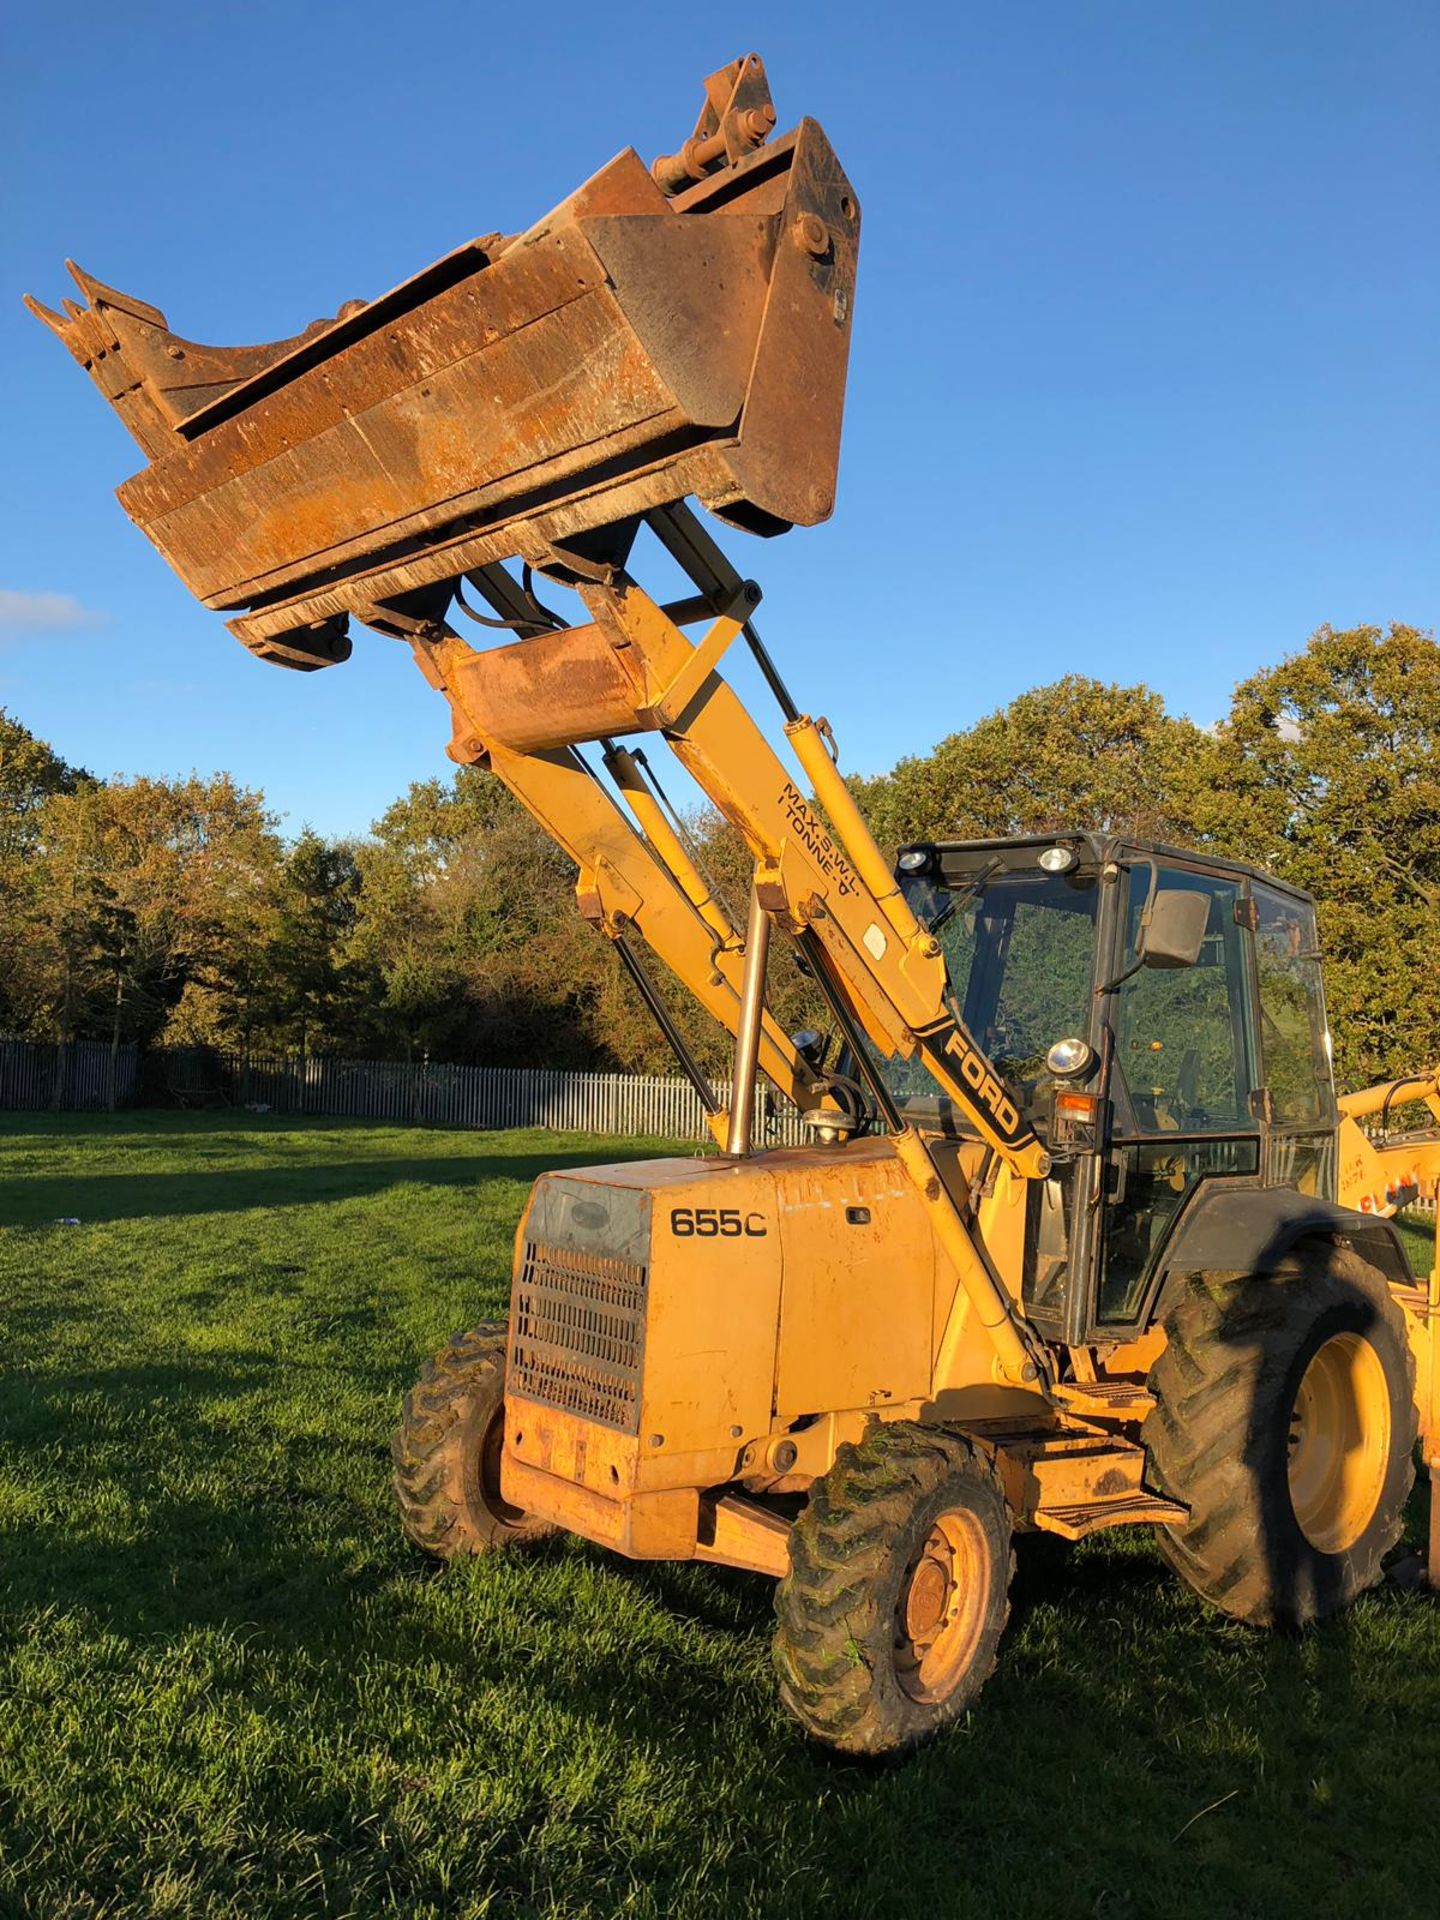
1068, 1059
914, 860
1058, 859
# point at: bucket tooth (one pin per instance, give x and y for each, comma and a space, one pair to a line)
99, 295
56, 322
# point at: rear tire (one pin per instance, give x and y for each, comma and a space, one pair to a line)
1285, 1421
447, 1453
898, 1591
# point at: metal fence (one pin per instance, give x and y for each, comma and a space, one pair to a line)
83, 1076
433, 1095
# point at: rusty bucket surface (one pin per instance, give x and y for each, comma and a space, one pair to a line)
665, 331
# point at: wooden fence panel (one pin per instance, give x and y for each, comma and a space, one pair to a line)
37, 1079
634, 1105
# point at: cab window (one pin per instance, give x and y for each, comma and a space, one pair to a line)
1182, 1049
1294, 1041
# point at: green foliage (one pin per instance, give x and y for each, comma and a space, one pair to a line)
30, 774
470, 925
145, 909
302, 982
1077, 753
1326, 772
129, 894
232, 1692
1332, 780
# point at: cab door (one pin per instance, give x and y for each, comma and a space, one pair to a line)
1180, 1086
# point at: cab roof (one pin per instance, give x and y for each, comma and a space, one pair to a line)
958, 858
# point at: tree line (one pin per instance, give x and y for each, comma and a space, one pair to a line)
174, 912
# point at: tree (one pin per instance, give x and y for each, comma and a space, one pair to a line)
137, 897
65, 926
301, 992
458, 886
1077, 753
31, 773
1329, 776
145, 909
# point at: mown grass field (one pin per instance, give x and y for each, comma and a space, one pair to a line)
227, 1687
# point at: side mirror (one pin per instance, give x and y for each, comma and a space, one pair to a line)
1176, 930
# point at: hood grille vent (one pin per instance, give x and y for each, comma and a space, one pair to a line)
577, 1334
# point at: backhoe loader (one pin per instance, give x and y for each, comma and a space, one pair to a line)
1081, 1236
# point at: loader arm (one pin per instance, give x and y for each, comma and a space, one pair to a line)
666, 332
523, 709
623, 881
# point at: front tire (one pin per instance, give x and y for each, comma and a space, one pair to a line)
447, 1452
898, 1591
1285, 1422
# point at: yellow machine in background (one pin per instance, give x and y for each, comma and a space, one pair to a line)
1081, 1237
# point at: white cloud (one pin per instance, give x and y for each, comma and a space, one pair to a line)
42, 613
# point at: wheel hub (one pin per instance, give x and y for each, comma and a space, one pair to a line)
929, 1593
942, 1609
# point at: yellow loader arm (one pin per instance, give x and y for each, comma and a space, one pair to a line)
667, 331
1381, 1172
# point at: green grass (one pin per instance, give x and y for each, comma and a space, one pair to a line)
227, 1687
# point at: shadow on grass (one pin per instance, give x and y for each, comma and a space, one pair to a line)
100, 1197
303, 1554
1120, 1709
300, 1556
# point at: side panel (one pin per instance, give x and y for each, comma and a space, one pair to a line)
856, 1321
642, 1327
714, 1302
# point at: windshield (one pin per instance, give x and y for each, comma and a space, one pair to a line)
1020, 950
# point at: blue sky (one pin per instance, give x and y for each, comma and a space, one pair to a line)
1145, 371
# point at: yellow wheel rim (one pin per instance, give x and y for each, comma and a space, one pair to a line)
1339, 1442
944, 1600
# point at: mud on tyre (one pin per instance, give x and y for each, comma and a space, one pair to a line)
898, 1591
447, 1452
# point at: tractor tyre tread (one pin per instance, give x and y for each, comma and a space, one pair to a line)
1224, 1388
834, 1608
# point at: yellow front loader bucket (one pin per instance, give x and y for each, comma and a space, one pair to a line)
665, 331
